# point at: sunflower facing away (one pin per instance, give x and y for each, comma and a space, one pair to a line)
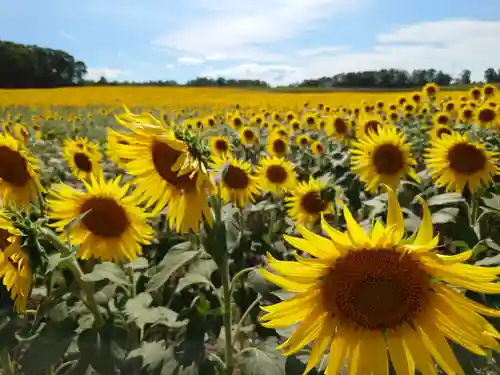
19, 183
237, 183
305, 205
276, 175
83, 157
455, 162
371, 297
106, 223
382, 158
15, 270
219, 146
167, 174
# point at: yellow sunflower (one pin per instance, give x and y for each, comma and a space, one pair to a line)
317, 148
303, 140
106, 222
276, 175
475, 93
306, 205
338, 127
377, 297
486, 116
466, 114
276, 145
166, 173
236, 122
248, 136
489, 90
439, 131
454, 162
83, 158
295, 124
237, 184
383, 158
15, 270
367, 125
430, 90
441, 118
113, 141
309, 119
19, 183
21, 133
219, 146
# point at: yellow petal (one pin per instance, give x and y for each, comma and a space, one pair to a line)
321, 344
421, 356
426, 232
282, 282
319, 242
395, 216
295, 269
400, 356
304, 245
338, 351
357, 234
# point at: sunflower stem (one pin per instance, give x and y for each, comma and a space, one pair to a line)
6, 362
227, 316
78, 273
245, 316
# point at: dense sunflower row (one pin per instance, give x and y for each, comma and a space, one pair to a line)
374, 295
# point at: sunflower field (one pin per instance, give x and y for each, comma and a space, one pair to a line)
209, 231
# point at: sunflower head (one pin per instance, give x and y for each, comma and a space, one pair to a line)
303, 140
219, 145
441, 118
381, 296
486, 115
277, 146
475, 93
439, 131
430, 90
83, 157
276, 175
367, 125
338, 127
317, 148
248, 136
455, 162
466, 114
309, 119
489, 90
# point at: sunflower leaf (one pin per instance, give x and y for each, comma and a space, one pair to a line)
173, 261
262, 360
107, 271
443, 199
152, 353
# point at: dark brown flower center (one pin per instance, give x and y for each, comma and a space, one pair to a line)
164, 158
303, 141
443, 131
431, 90
443, 119
248, 134
276, 174
236, 178
105, 217
82, 162
376, 289
221, 145
312, 203
486, 115
466, 159
5, 236
310, 121
13, 167
476, 94
279, 146
467, 113
488, 90
372, 126
388, 159
319, 148
237, 122
340, 126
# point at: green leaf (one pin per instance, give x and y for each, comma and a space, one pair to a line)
137, 264
205, 267
55, 260
493, 202
191, 279
189, 370
172, 261
443, 199
107, 271
169, 362
264, 360
49, 347
152, 353
445, 215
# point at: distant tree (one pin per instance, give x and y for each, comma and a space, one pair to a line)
490, 75
102, 81
464, 78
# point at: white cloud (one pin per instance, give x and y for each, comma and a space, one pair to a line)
189, 61
66, 35
169, 66
108, 73
273, 74
241, 30
320, 50
450, 45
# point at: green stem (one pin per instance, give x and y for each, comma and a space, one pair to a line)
245, 316
227, 316
237, 276
6, 362
77, 272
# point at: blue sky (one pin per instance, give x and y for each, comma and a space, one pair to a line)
281, 41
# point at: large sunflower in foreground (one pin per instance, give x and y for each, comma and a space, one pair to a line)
377, 296
19, 183
168, 174
106, 223
83, 157
276, 175
305, 205
455, 161
237, 183
382, 158
15, 271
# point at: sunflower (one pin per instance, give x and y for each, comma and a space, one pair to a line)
295, 125
248, 136
276, 175
466, 114
19, 183
438, 131
83, 157
219, 146
114, 140
368, 125
306, 205
393, 116
166, 172
15, 270
276, 145
475, 93
236, 122
309, 119
430, 90
21, 133
454, 162
303, 140
338, 127
441, 118
382, 158
489, 90
237, 183
104, 221
486, 115
317, 148
378, 296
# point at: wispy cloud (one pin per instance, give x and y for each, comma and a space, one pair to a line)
189, 61
320, 50
66, 35
108, 73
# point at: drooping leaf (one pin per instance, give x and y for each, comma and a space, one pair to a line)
445, 215
107, 271
444, 199
172, 261
191, 279
262, 360
152, 353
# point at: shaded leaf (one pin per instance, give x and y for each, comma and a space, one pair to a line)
445, 215
191, 279
443, 199
152, 353
107, 271
264, 360
170, 263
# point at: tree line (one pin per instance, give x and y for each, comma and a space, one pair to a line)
31, 66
